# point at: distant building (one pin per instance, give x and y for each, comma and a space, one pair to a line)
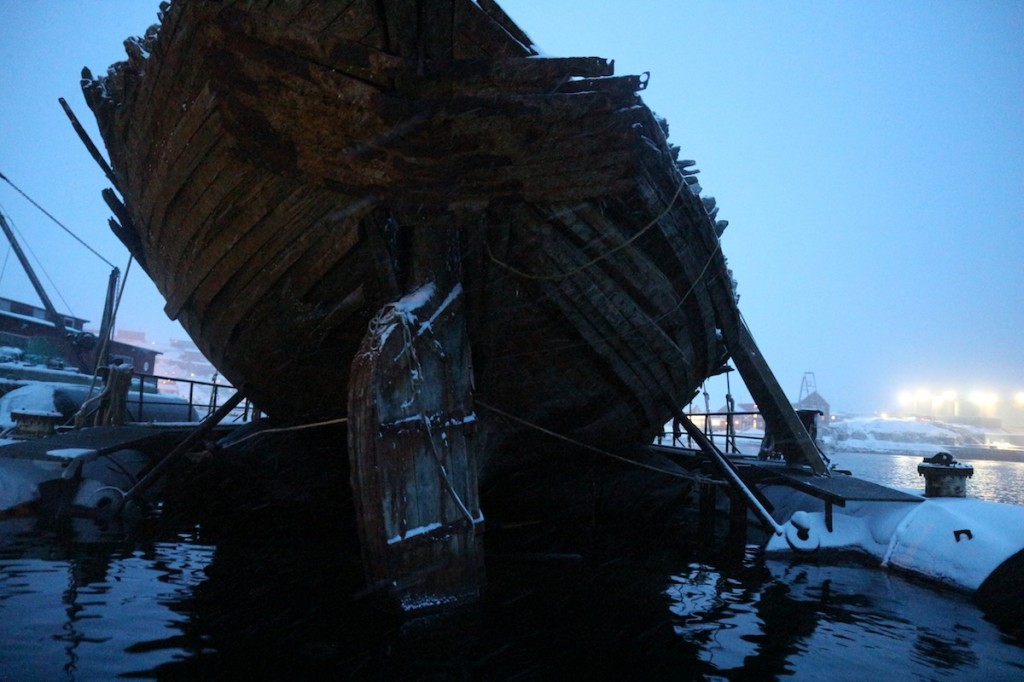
26, 327
179, 359
30, 320
176, 358
182, 360
745, 416
814, 401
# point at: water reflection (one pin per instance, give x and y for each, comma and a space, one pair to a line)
281, 592
74, 596
833, 620
717, 614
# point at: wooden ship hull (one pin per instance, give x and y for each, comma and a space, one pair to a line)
398, 211
290, 168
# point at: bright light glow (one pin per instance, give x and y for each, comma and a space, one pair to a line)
948, 396
983, 398
1019, 398
906, 397
923, 395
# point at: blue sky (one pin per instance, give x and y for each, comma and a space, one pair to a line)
868, 155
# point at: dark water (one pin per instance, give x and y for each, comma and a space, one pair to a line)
271, 592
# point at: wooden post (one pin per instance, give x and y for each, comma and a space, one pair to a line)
114, 407
707, 508
737, 518
110, 406
738, 490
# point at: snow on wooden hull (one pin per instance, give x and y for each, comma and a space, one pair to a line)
281, 163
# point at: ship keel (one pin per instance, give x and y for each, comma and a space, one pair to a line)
411, 448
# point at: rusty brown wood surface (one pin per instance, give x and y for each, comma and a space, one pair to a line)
278, 157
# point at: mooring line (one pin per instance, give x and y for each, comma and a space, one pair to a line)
281, 429
59, 223
626, 460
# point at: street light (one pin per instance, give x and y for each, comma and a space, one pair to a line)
985, 401
922, 397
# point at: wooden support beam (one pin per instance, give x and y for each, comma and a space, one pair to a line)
791, 438
89, 145
737, 518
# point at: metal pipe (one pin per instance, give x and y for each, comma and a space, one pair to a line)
727, 469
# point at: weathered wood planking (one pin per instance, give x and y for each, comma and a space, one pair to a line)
277, 158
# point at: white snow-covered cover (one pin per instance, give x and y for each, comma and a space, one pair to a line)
956, 541
34, 397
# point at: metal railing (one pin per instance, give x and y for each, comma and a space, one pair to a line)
726, 436
761, 444
195, 398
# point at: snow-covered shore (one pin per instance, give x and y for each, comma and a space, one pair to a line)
910, 436
896, 436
